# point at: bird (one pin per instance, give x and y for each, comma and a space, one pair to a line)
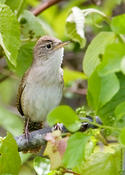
41, 87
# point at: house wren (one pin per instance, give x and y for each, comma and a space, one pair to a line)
42, 85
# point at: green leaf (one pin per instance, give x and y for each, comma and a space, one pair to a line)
101, 89
75, 151
122, 136
32, 2
113, 60
24, 59
9, 160
9, 33
101, 163
71, 75
31, 26
75, 26
107, 111
42, 165
118, 24
64, 114
11, 122
122, 65
13, 4
95, 49
120, 110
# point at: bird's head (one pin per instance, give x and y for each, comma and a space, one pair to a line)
48, 47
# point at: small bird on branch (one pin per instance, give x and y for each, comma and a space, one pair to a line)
41, 87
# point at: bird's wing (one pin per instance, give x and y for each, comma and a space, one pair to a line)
20, 91
61, 78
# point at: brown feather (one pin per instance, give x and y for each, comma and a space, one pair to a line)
20, 91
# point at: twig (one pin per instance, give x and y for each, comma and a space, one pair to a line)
44, 6
20, 8
70, 172
35, 139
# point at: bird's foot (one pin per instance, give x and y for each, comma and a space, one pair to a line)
26, 134
59, 126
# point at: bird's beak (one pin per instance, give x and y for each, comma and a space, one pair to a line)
61, 44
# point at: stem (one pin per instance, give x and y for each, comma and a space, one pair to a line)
103, 126
90, 10
70, 172
44, 6
20, 8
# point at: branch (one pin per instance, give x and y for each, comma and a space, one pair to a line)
36, 139
44, 6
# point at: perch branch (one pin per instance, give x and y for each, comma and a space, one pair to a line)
44, 6
36, 139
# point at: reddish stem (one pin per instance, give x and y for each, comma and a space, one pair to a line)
44, 6
69, 171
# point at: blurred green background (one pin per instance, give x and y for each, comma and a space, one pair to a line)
52, 22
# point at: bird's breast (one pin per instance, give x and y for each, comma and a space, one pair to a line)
39, 99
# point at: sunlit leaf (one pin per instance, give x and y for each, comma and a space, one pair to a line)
95, 50
122, 136
32, 2
107, 111
102, 163
64, 114
123, 65
13, 4
75, 26
118, 24
31, 26
120, 110
9, 33
113, 60
75, 152
101, 89
9, 160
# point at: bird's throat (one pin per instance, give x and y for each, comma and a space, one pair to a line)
47, 71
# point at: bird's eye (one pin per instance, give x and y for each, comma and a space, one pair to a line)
48, 46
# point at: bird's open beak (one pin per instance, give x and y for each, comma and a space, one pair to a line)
61, 44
